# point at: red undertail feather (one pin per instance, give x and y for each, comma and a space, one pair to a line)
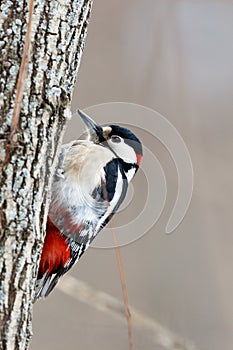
56, 252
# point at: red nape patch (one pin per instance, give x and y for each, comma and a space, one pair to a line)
139, 158
56, 251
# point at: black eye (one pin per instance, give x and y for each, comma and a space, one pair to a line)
116, 139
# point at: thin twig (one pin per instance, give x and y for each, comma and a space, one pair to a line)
104, 302
124, 288
21, 80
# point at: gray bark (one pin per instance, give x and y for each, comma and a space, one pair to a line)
30, 141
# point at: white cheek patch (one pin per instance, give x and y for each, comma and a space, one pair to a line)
124, 151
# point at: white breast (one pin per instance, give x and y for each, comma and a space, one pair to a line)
83, 168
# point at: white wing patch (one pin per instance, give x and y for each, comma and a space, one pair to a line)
111, 206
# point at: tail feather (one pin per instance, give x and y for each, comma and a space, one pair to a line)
42, 286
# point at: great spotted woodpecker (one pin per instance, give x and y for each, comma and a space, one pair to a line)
88, 188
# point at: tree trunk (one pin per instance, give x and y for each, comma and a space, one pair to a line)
41, 44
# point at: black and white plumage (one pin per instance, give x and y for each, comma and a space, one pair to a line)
87, 190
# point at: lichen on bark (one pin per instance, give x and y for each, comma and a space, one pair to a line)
29, 159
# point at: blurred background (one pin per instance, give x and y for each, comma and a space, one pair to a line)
175, 57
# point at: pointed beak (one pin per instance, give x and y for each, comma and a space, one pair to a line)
91, 125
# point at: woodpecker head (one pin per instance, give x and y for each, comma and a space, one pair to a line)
121, 141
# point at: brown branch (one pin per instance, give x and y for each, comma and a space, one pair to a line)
20, 80
102, 301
